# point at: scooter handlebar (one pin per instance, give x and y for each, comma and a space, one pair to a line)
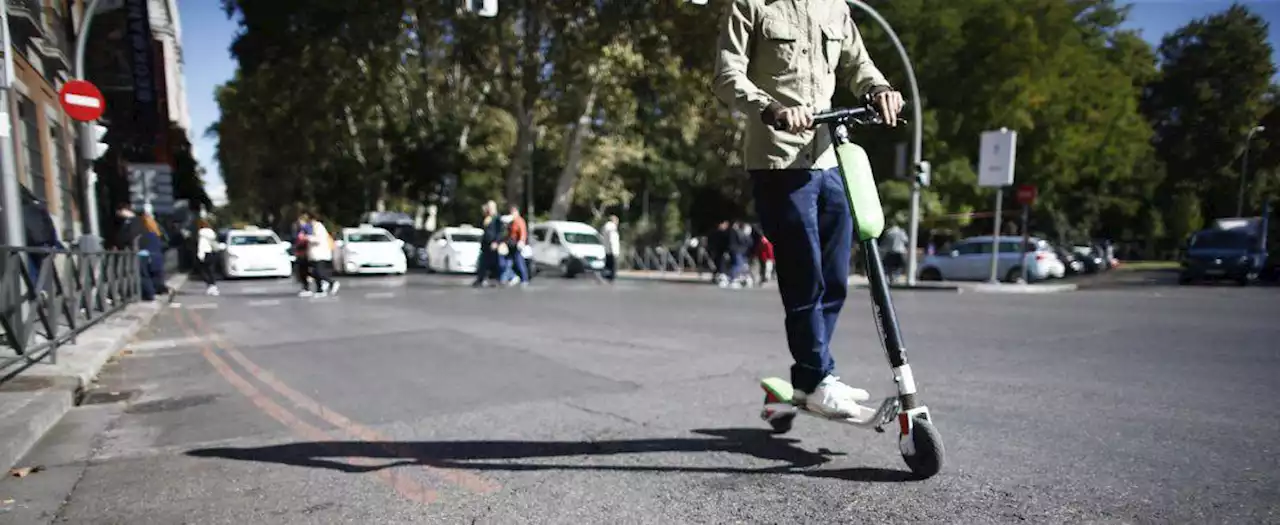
863, 115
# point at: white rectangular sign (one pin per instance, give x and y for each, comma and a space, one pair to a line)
996, 158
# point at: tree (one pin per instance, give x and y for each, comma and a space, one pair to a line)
1215, 73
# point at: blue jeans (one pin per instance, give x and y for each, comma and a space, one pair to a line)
806, 215
520, 266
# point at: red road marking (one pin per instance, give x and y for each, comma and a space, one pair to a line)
461, 478
405, 486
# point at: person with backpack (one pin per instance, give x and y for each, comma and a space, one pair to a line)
40, 231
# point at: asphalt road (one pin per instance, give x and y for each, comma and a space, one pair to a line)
420, 400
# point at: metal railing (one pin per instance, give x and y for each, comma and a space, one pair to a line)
663, 259
49, 296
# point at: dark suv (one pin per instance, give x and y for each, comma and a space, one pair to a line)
1215, 254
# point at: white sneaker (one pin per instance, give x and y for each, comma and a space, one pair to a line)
833, 398
333, 288
306, 293
212, 290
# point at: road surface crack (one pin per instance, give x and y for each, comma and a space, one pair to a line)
603, 413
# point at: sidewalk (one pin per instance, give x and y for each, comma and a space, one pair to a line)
32, 402
858, 281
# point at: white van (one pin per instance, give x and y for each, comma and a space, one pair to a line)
569, 247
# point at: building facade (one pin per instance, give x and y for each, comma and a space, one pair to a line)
44, 137
43, 35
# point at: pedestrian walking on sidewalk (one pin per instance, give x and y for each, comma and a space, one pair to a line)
206, 242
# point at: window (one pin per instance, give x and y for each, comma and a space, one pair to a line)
32, 147
368, 237
582, 238
465, 237
1009, 247
253, 240
64, 171
968, 248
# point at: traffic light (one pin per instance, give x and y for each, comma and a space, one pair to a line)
923, 171
99, 133
485, 8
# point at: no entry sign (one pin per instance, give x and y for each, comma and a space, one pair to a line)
1026, 194
82, 100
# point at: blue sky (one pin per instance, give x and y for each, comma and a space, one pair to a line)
206, 49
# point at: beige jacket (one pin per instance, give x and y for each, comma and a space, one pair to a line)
789, 52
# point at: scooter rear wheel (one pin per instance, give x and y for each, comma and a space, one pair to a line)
928, 458
782, 425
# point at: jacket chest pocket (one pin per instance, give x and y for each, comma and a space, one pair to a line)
832, 44
779, 45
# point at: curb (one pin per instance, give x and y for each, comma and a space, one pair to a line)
1024, 288
669, 277
32, 403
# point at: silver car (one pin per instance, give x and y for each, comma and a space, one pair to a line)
970, 260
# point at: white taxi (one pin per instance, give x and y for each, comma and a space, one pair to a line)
454, 249
254, 252
369, 249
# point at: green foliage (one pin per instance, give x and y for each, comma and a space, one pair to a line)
605, 106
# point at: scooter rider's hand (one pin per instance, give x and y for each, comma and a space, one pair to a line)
793, 119
888, 103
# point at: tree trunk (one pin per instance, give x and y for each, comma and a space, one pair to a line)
530, 89
519, 156
573, 160
465, 135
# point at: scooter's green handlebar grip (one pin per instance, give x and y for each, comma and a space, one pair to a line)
860, 188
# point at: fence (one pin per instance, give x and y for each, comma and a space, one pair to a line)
48, 297
663, 259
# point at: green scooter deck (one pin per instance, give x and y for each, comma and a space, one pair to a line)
779, 388
860, 189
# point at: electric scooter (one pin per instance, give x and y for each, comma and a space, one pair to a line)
919, 441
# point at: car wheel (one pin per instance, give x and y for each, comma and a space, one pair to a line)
931, 274
1014, 275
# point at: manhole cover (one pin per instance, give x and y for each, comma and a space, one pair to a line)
171, 404
104, 397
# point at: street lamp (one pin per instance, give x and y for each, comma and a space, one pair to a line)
87, 147
917, 138
1244, 169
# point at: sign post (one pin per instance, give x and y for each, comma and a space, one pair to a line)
995, 170
1026, 197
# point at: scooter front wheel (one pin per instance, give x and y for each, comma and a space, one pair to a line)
782, 425
927, 459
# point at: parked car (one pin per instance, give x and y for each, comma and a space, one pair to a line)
369, 249
1093, 259
454, 249
1073, 263
253, 252
1223, 254
970, 260
568, 247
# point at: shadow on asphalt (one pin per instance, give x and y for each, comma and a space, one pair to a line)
758, 443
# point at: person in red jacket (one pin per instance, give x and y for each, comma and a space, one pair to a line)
766, 259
